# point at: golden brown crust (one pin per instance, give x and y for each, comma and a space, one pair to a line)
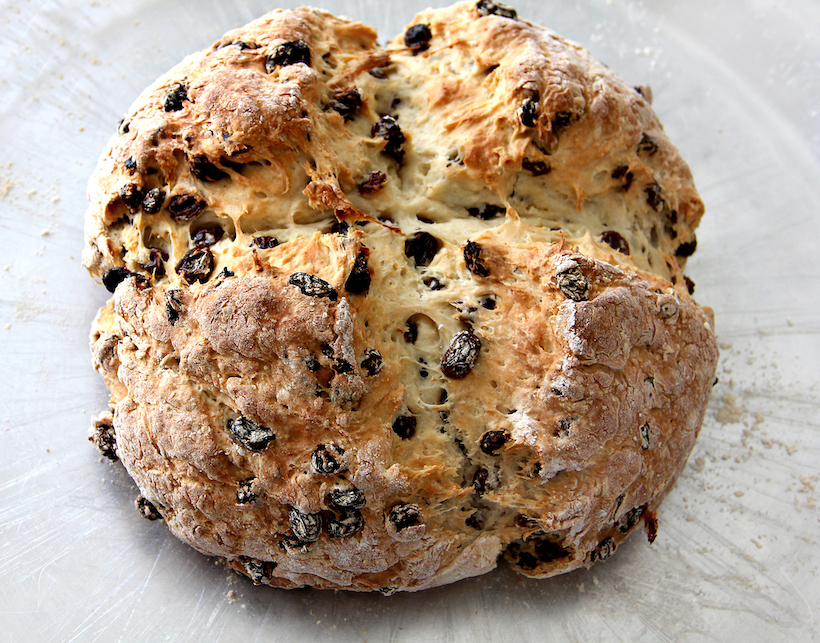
496, 353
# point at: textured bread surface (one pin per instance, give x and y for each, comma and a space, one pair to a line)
381, 316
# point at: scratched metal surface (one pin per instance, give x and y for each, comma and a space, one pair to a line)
737, 84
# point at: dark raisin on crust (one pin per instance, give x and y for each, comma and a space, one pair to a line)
487, 211
206, 237
346, 101
472, 257
325, 459
249, 434
644, 430
404, 515
422, 247
265, 242
185, 207
372, 362
306, 527
622, 173
347, 498
615, 241
647, 145
174, 97
604, 550
488, 7
488, 303
573, 284
631, 518
339, 227
153, 201
312, 286
404, 426
480, 480
105, 439
374, 183
529, 112
288, 53
687, 248
347, 524
173, 306
388, 128
690, 285
113, 277
418, 38
196, 265
536, 168
564, 426
258, 570
358, 281
147, 509
654, 198
492, 441
244, 494
461, 355
204, 170
132, 196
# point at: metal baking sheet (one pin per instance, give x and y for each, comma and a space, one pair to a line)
737, 558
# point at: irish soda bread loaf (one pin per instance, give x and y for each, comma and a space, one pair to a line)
382, 315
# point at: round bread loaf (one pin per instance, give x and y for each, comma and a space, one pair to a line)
383, 315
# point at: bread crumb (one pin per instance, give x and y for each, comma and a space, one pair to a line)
739, 494
729, 412
231, 596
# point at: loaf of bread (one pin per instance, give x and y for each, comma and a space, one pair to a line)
382, 316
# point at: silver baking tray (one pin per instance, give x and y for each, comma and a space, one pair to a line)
737, 558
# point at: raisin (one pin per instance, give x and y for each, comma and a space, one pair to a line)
312, 364
339, 227
306, 526
472, 254
412, 332
418, 38
480, 481
123, 127
475, 521
351, 498
405, 426
422, 247
265, 242
650, 525
388, 128
206, 237
130, 165
492, 441
258, 570
244, 494
487, 211
536, 168
225, 273
196, 265
105, 440
288, 53
185, 207
249, 434
132, 196
604, 550
174, 97
573, 284
206, 171
489, 303
342, 366
645, 436
433, 284
687, 248
312, 286
526, 560
488, 7
690, 285
113, 277
347, 102
547, 551
560, 121
647, 145
632, 518
654, 198
345, 525
374, 183
153, 201
358, 281
325, 459
461, 355
173, 306
615, 241
404, 515
372, 362
529, 112
623, 174
564, 427
156, 266
147, 509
